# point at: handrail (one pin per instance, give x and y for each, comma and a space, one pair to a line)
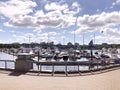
6, 67
8, 60
61, 63
97, 63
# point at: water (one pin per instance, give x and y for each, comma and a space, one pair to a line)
5, 56
62, 68
11, 65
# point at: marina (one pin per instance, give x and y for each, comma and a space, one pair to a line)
60, 65
59, 44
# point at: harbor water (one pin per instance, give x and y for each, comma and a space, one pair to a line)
4, 56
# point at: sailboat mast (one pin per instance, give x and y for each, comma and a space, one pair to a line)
94, 38
74, 37
29, 40
48, 37
83, 39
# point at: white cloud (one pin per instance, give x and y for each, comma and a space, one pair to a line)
55, 18
107, 39
111, 32
12, 31
42, 37
55, 6
1, 41
37, 30
106, 22
113, 4
14, 35
51, 19
109, 35
58, 15
73, 9
24, 38
14, 8
17, 11
39, 13
2, 17
29, 35
83, 30
21, 21
117, 1
98, 10
48, 34
2, 30
52, 33
99, 20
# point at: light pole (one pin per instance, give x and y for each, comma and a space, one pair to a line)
83, 38
74, 37
94, 38
48, 37
74, 46
29, 40
63, 41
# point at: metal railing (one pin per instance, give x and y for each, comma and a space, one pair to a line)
5, 64
99, 64
95, 65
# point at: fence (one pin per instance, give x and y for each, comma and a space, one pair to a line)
7, 64
92, 66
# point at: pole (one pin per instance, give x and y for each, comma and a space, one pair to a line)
29, 40
83, 41
66, 70
74, 45
91, 59
38, 60
48, 37
94, 38
91, 54
74, 37
53, 70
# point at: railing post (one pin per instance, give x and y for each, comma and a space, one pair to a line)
38, 60
97, 64
79, 70
52, 70
40, 68
66, 70
5, 64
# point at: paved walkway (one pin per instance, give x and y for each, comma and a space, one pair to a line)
105, 81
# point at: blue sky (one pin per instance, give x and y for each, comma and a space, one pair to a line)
60, 20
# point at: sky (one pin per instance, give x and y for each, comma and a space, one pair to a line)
60, 21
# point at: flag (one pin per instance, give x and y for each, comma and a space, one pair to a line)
90, 44
90, 47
